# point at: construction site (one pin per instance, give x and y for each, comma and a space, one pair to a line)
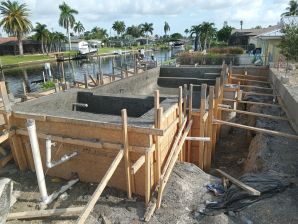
172, 144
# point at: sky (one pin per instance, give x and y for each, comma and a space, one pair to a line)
180, 14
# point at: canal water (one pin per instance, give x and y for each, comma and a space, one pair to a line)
73, 70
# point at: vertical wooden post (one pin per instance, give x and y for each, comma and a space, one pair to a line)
185, 99
86, 81
126, 152
202, 124
62, 68
180, 101
24, 88
157, 123
113, 65
4, 96
215, 126
189, 118
208, 150
147, 177
238, 95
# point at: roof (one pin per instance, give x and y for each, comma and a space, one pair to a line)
7, 39
256, 32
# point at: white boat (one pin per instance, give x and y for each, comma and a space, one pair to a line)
87, 48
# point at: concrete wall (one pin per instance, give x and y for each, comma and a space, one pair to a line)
190, 72
251, 70
143, 84
288, 97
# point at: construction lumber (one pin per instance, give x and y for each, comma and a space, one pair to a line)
172, 151
45, 213
137, 165
4, 137
261, 130
204, 139
180, 115
4, 96
157, 124
168, 171
250, 76
94, 82
208, 148
238, 183
258, 94
254, 114
256, 87
5, 160
202, 124
250, 80
252, 102
147, 177
137, 129
126, 152
86, 143
103, 183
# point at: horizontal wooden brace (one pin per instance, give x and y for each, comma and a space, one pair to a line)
252, 102
261, 130
202, 139
254, 114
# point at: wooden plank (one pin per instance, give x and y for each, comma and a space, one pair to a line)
147, 178
256, 87
86, 143
103, 183
238, 183
254, 114
250, 80
258, 94
180, 115
4, 137
250, 76
252, 102
202, 124
208, 152
184, 98
137, 165
172, 151
5, 160
166, 175
4, 96
126, 152
94, 82
261, 130
45, 213
158, 146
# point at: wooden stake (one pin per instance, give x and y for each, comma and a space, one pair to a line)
103, 183
126, 152
184, 98
86, 81
147, 178
208, 152
202, 124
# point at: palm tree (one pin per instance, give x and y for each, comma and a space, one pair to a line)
196, 30
147, 28
119, 27
292, 9
67, 19
166, 28
15, 20
208, 32
42, 34
78, 28
186, 31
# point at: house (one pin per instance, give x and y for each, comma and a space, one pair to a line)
269, 41
10, 46
77, 44
245, 37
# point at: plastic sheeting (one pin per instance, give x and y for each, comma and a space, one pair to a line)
236, 199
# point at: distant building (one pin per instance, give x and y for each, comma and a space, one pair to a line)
269, 41
9, 46
77, 44
245, 37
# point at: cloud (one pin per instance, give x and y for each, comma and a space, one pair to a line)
180, 13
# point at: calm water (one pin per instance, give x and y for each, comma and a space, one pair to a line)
73, 70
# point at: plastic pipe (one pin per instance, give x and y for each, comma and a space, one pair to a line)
37, 160
49, 162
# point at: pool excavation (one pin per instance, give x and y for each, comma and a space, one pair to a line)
130, 133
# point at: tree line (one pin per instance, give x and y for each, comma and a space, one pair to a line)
15, 22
